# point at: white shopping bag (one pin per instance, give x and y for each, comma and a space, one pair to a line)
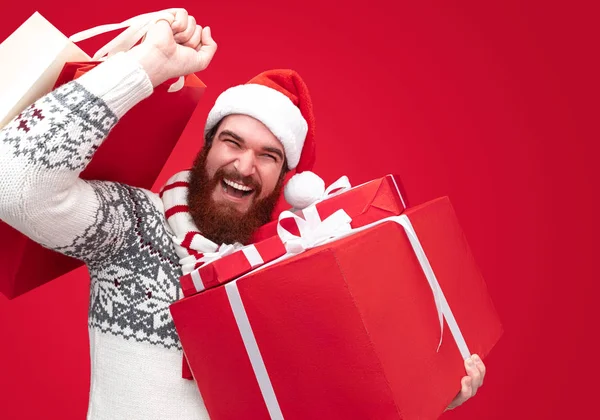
33, 56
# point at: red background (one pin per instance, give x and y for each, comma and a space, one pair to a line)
489, 104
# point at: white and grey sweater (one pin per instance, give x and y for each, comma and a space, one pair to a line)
119, 231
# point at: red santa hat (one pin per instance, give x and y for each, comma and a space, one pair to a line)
281, 101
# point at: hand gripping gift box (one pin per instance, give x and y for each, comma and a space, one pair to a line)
371, 322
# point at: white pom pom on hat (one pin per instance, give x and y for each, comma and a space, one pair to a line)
304, 189
281, 101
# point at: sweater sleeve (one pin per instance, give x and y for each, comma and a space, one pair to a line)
46, 147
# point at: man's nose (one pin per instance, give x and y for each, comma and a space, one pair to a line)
245, 163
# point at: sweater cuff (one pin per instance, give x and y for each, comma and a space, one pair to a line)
120, 82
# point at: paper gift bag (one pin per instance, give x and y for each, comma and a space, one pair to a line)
32, 57
134, 153
138, 146
375, 325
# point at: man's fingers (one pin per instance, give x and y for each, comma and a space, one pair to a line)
196, 38
181, 20
473, 373
480, 365
186, 34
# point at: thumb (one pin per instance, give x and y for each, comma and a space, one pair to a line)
207, 49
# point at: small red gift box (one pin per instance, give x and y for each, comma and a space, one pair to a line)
232, 265
350, 329
364, 203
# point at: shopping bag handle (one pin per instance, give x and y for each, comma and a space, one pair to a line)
137, 27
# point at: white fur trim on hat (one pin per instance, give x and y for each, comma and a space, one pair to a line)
269, 106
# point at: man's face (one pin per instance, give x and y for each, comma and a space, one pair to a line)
248, 158
236, 183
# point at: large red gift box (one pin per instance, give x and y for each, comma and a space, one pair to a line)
348, 330
134, 153
365, 203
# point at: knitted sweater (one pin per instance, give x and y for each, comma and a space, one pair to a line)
119, 231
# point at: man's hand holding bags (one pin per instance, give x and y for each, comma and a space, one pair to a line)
175, 46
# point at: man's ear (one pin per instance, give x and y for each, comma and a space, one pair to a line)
210, 136
284, 170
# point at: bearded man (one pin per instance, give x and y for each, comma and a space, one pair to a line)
135, 246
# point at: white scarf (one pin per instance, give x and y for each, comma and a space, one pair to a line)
193, 249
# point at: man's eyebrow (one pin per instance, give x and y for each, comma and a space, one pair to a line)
231, 134
273, 150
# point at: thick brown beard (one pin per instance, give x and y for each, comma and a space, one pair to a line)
220, 222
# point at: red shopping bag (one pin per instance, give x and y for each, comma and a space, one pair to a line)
134, 154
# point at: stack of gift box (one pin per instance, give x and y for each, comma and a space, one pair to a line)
354, 308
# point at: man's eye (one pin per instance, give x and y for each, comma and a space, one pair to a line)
233, 142
269, 156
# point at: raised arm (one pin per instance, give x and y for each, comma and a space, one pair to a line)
45, 148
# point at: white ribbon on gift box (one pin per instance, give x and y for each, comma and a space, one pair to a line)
337, 227
250, 252
313, 231
342, 185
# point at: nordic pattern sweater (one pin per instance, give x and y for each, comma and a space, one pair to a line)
120, 232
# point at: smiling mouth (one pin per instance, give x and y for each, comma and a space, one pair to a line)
236, 190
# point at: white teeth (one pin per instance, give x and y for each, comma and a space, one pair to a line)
236, 185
